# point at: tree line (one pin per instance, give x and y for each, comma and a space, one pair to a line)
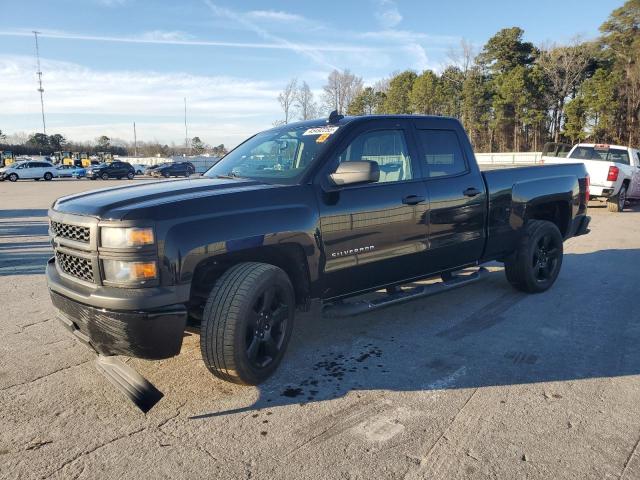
511, 95
41, 144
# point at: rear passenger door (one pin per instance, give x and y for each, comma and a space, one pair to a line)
373, 234
457, 194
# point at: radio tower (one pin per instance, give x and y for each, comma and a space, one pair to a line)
40, 89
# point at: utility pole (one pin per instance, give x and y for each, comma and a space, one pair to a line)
40, 89
135, 140
186, 132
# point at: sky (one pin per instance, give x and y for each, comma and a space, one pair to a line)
109, 63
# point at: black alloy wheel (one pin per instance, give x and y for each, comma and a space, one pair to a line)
266, 330
545, 258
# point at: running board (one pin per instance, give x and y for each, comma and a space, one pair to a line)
346, 309
134, 386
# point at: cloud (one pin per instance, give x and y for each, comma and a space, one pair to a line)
149, 38
80, 101
165, 36
112, 3
314, 55
277, 16
387, 14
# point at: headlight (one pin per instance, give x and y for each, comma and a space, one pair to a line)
117, 237
119, 271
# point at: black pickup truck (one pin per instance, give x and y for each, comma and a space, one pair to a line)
324, 209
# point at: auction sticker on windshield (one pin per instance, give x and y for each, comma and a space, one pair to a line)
328, 130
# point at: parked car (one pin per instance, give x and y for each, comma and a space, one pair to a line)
70, 171
614, 171
316, 210
139, 168
149, 169
115, 169
28, 170
174, 169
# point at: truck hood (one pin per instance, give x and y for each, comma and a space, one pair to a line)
164, 198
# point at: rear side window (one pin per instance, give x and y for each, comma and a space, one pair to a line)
617, 155
442, 153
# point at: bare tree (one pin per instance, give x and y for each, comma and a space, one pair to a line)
564, 68
287, 99
341, 89
462, 57
304, 101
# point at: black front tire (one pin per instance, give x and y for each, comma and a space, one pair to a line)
247, 323
48, 177
13, 177
536, 263
105, 176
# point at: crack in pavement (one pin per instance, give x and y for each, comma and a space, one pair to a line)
89, 452
628, 462
44, 376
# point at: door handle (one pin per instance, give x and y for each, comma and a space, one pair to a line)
471, 192
413, 199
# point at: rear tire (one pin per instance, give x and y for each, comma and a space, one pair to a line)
536, 263
616, 203
247, 323
48, 176
130, 175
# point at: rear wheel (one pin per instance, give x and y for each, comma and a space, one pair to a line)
105, 176
616, 203
247, 323
48, 176
130, 175
536, 263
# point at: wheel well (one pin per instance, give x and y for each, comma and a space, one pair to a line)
558, 213
626, 182
288, 257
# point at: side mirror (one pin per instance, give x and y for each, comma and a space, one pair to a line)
350, 173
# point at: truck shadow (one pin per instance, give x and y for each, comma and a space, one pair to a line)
487, 334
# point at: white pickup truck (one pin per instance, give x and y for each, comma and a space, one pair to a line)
614, 171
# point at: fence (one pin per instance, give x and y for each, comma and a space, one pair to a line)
508, 158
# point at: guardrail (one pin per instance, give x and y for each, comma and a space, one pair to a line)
509, 158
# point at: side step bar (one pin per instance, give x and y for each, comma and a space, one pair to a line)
133, 385
346, 309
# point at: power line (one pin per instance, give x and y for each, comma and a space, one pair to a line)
40, 89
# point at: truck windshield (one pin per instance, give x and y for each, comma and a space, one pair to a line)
275, 156
617, 155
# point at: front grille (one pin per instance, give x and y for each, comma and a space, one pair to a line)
72, 232
78, 267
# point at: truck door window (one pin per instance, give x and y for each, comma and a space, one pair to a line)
442, 153
385, 147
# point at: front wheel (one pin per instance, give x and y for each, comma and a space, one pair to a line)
247, 323
13, 177
48, 176
616, 203
105, 176
535, 265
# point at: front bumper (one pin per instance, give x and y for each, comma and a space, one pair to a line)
143, 332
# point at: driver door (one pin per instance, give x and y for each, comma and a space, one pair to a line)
376, 233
